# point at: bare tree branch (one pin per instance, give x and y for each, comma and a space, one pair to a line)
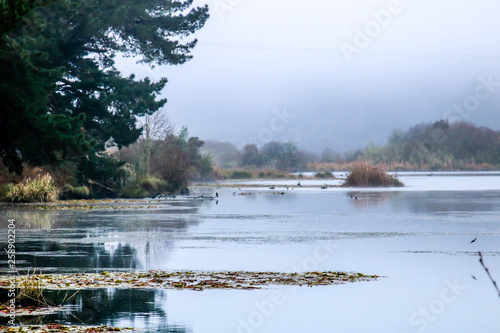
157, 126
488, 272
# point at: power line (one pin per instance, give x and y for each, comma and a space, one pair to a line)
361, 52
268, 47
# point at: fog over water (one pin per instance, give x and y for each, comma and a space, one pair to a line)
347, 73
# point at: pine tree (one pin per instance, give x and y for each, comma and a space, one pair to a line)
61, 96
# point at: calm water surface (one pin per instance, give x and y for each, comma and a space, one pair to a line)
418, 237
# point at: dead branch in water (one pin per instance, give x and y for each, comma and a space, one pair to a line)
488, 272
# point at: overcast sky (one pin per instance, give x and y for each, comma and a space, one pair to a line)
338, 74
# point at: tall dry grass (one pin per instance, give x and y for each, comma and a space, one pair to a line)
39, 189
364, 174
30, 292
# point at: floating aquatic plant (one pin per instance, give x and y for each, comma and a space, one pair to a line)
194, 280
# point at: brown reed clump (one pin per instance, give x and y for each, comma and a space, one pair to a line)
364, 174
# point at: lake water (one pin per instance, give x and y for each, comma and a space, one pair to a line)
418, 237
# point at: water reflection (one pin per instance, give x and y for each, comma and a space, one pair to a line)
407, 235
425, 202
448, 202
364, 200
92, 241
54, 256
33, 219
138, 308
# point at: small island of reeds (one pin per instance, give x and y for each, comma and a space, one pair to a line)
364, 174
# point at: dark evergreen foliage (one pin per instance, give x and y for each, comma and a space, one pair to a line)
61, 97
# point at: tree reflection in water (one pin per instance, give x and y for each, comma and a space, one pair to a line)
93, 241
138, 308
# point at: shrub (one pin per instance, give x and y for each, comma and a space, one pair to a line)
241, 174
69, 192
275, 174
324, 175
221, 174
126, 174
366, 175
146, 186
133, 191
40, 189
250, 173
62, 173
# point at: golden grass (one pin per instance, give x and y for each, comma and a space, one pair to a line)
40, 189
364, 174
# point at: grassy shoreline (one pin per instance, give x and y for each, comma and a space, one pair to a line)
43, 189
